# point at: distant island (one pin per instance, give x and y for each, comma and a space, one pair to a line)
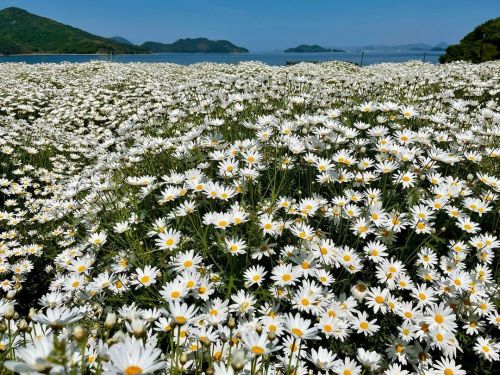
482, 44
304, 48
22, 32
421, 47
195, 45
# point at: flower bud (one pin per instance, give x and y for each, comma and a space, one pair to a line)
110, 321
183, 358
238, 360
11, 294
138, 328
9, 311
237, 365
80, 334
31, 313
22, 325
206, 342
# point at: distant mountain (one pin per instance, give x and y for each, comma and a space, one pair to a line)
407, 47
22, 32
442, 45
312, 48
400, 47
194, 45
121, 40
482, 44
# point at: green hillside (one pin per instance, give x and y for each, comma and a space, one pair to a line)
121, 40
311, 48
23, 32
195, 45
482, 44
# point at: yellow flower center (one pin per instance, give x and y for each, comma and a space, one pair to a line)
132, 370
175, 294
180, 320
297, 332
439, 319
259, 350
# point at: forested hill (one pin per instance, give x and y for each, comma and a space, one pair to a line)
23, 32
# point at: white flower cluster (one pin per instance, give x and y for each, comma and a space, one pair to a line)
247, 219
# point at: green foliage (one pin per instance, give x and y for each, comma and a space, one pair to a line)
121, 40
195, 45
482, 44
313, 48
23, 32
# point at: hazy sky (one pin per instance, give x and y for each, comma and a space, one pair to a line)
263, 25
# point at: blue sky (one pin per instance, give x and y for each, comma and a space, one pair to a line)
264, 25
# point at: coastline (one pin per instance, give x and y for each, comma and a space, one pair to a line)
187, 58
75, 54
123, 54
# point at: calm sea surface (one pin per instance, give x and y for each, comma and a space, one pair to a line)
271, 58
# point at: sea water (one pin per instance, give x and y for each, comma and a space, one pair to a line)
270, 58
